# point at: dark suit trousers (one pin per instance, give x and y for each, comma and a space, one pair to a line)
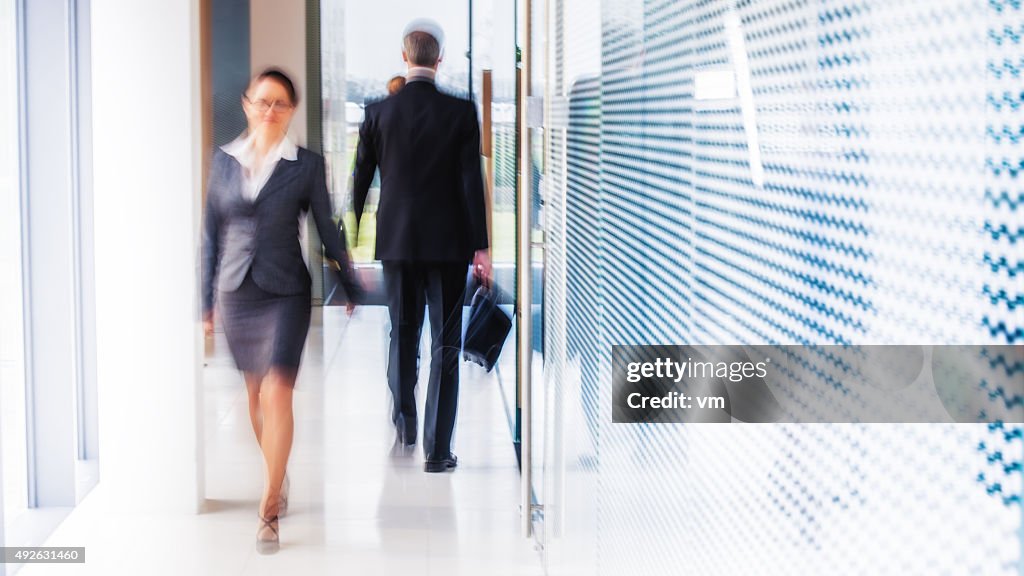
443, 284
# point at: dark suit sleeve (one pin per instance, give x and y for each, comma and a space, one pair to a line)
211, 241
332, 238
366, 165
472, 179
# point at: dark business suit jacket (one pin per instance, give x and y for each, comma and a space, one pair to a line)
427, 145
263, 235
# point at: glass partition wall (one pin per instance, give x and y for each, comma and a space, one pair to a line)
856, 180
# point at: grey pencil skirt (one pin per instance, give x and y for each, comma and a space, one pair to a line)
264, 330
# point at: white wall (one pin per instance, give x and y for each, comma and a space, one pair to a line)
278, 38
147, 175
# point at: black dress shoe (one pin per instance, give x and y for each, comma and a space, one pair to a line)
442, 465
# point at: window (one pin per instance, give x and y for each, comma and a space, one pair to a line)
13, 437
357, 61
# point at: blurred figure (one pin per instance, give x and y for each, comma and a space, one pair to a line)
395, 84
430, 223
261, 185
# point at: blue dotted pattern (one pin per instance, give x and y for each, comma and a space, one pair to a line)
889, 211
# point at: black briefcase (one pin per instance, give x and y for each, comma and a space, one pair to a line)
486, 330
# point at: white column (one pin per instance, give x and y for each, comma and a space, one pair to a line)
146, 154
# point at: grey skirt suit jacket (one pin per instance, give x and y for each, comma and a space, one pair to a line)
252, 259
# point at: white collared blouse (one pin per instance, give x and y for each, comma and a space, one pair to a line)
255, 175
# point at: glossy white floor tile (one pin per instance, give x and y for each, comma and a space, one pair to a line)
356, 507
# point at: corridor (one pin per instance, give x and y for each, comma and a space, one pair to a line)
356, 508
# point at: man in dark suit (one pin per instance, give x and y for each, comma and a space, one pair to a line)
431, 223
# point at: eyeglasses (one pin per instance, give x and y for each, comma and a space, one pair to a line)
262, 105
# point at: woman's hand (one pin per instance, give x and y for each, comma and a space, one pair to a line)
208, 323
350, 308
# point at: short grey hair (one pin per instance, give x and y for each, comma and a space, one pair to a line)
421, 49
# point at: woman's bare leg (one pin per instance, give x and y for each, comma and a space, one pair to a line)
252, 386
276, 439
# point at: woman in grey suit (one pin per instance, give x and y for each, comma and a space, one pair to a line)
261, 187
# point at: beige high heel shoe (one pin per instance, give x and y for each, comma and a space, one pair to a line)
268, 539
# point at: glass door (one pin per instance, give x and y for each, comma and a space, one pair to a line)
566, 173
